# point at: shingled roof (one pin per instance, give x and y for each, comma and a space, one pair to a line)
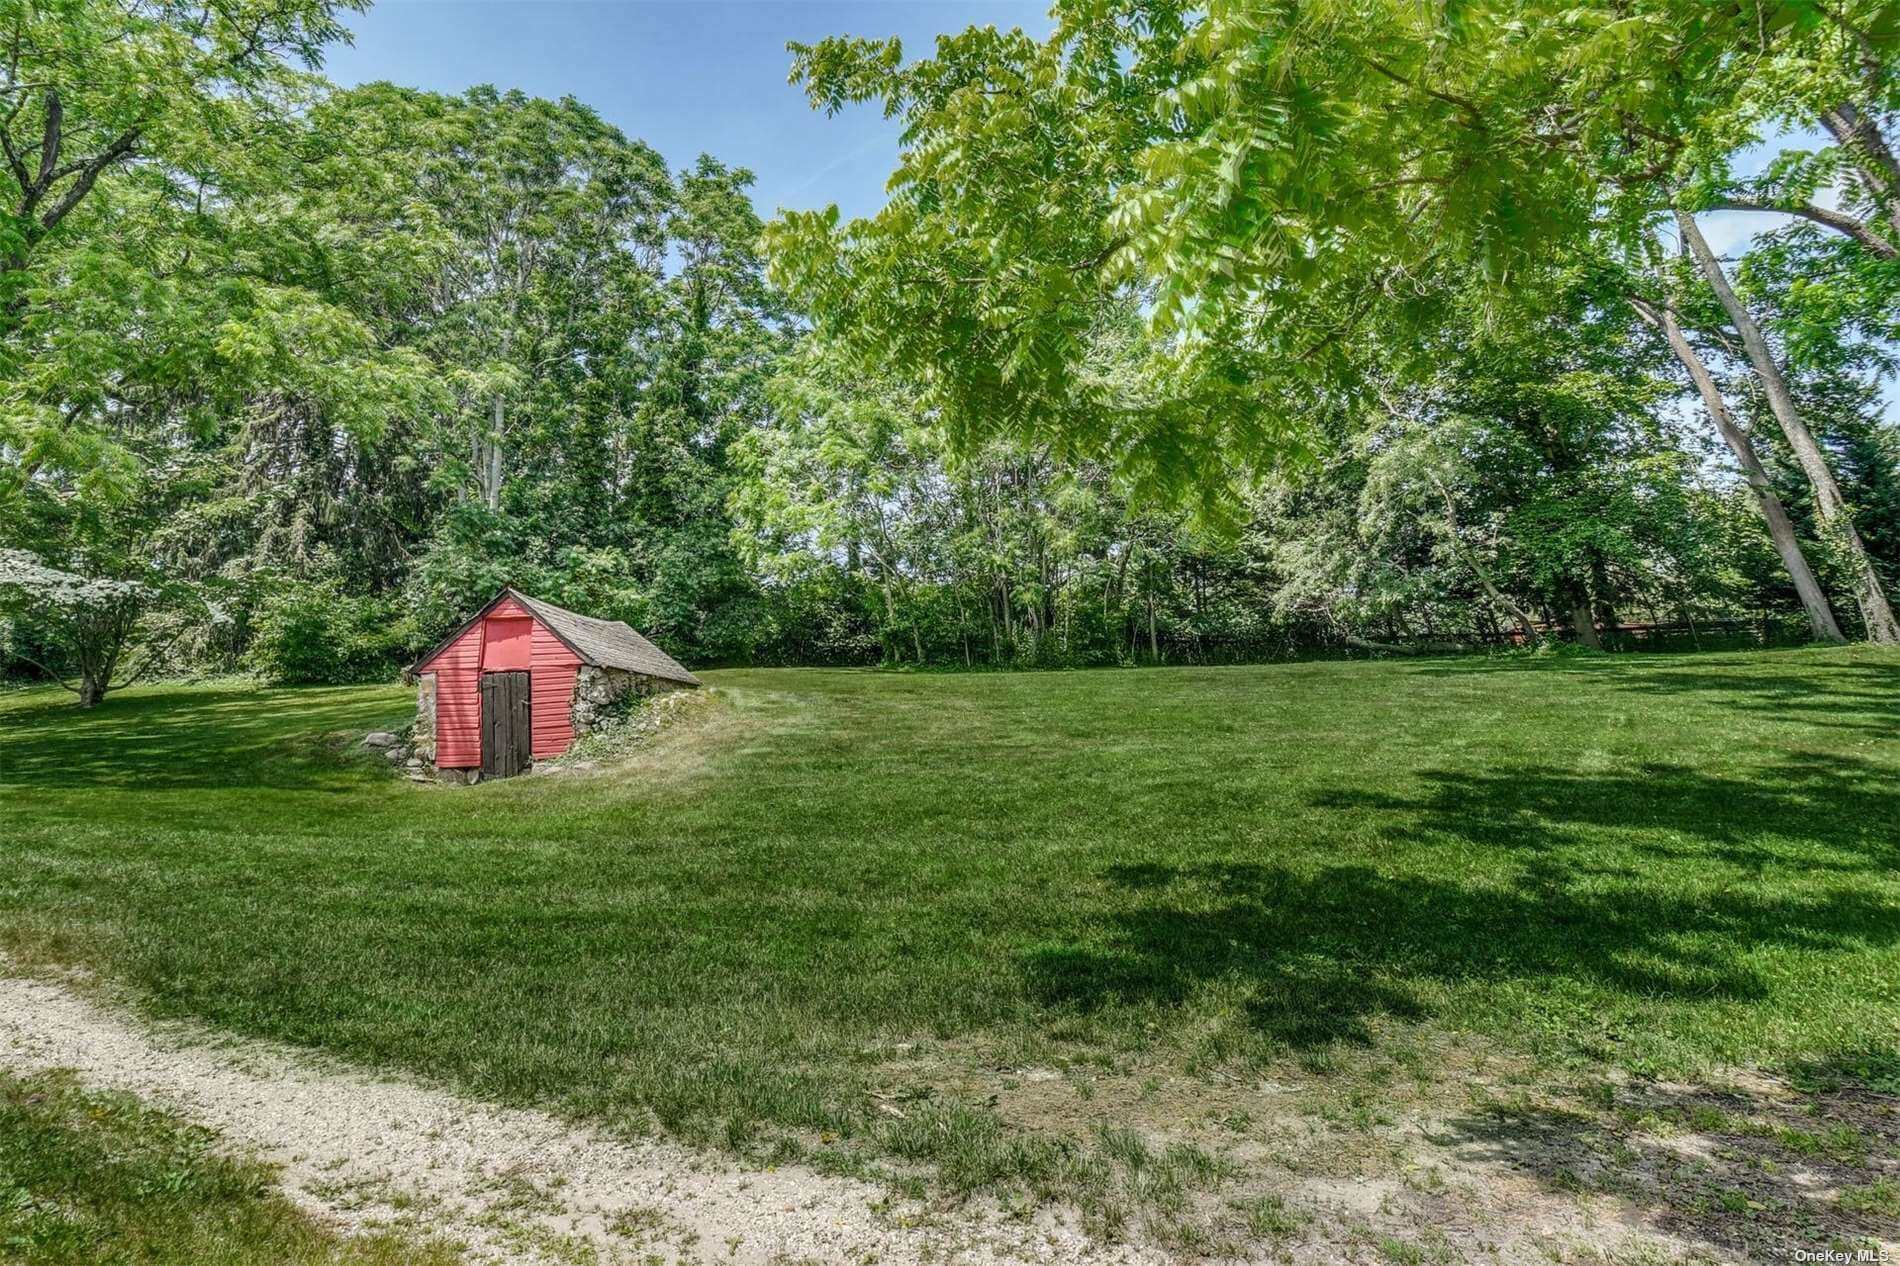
601, 643
606, 643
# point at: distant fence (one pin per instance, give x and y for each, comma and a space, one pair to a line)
1705, 634
1671, 635
1678, 635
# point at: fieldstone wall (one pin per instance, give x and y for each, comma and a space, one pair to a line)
422, 737
599, 692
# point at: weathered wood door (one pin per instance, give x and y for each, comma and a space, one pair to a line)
507, 724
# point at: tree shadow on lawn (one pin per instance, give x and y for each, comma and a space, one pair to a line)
193, 738
1863, 698
1753, 1171
1323, 953
1833, 812
1568, 909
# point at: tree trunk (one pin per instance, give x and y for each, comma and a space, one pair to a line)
963, 616
1875, 612
92, 690
1154, 641
491, 473
1582, 619
1600, 590
890, 606
989, 613
1873, 158
1118, 588
1814, 603
1487, 629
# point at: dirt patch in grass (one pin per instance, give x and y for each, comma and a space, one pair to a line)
1452, 1152
1750, 1168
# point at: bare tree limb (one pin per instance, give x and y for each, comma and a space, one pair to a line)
1839, 221
60, 678
121, 146
50, 138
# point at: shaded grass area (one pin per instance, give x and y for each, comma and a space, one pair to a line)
1751, 1168
97, 1178
1655, 864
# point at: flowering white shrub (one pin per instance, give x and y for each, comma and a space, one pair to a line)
91, 618
64, 590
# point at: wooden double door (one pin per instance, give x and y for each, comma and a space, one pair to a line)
507, 724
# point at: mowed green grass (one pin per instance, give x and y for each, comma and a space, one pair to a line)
1657, 863
87, 1177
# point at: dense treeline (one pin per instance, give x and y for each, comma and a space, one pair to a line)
1347, 218
1188, 334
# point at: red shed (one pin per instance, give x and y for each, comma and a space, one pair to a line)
522, 678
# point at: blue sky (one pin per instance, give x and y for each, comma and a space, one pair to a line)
686, 76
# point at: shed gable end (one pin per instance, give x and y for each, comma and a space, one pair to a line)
504, 637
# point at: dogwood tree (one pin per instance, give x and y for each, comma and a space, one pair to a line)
108, 632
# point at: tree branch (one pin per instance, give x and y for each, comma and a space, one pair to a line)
14, 164
28, 659
1468, 106
49, 139
1839, 221
1099, 257
89, 176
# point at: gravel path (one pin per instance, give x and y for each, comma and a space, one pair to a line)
359, 1150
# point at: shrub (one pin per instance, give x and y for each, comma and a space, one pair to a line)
313, 632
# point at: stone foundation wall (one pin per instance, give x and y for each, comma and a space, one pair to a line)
422, 736
597, 691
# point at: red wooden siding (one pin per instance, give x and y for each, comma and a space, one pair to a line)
552, 680
458, 701
496, 643
505, 644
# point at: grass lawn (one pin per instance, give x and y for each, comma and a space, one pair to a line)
97, 1178
831, 892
